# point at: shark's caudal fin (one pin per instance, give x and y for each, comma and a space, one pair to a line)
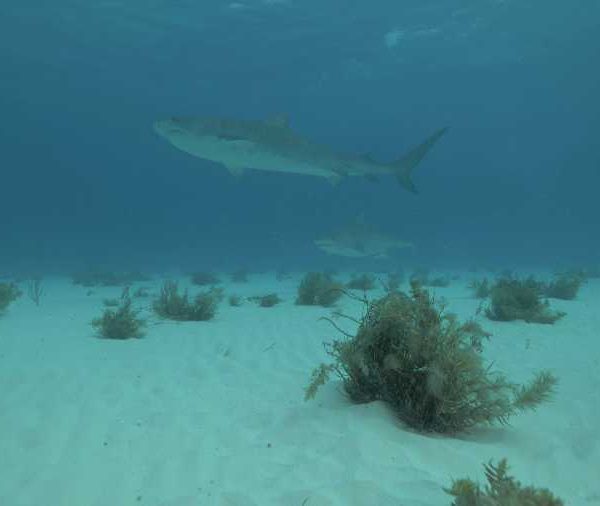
405, 165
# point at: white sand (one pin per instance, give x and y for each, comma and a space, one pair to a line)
212, 413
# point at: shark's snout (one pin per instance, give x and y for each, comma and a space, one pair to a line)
160, 127
167, 128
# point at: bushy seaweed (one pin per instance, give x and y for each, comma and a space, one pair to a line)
90, 278
439, 282
35, 289
235, 300
481, 288
268, 300
363, 282
141, 292
120, 323
177, 306
111, 302
501, 490
520, 299
318, 289
9, 292
426, 365
564, 286
393, 281
421, 275
205, 278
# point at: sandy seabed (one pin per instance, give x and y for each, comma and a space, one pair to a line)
212, 413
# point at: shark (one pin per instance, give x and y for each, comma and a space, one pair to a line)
360, 240
272, 145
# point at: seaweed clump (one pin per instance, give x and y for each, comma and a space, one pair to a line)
318, 289
92, 278
393, 282
564, 286
422, 275
120, 323
481, 288
9, 292
235, 300
520, 299
426, 365
268, 300
173, 305
439, 282
205, 278
501, 490
363, 282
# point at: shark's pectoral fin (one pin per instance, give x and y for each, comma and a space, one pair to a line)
235, 171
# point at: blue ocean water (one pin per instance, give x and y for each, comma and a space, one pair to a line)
86, 181
207, 413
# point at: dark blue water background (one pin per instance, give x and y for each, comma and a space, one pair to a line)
86, 182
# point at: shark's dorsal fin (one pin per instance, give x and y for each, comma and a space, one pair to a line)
279, 120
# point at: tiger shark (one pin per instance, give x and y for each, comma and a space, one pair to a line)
271, 145
360, 240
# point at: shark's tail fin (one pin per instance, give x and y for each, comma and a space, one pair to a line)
405, 165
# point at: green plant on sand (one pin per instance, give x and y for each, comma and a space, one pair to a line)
235, 300
564, 286
268, 300
318, 289
520, 299
93, 277
426, 365
393, 281
363, 282
177, 306
203, 278
439, 282
501, 490
120, 323
9, 292
481, 288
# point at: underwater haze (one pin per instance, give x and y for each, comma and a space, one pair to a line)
86, 181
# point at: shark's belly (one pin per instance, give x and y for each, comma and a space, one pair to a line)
253, 157
275, 163
243, 154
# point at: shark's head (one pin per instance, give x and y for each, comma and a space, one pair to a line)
182, 131
201, 137
218, 140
